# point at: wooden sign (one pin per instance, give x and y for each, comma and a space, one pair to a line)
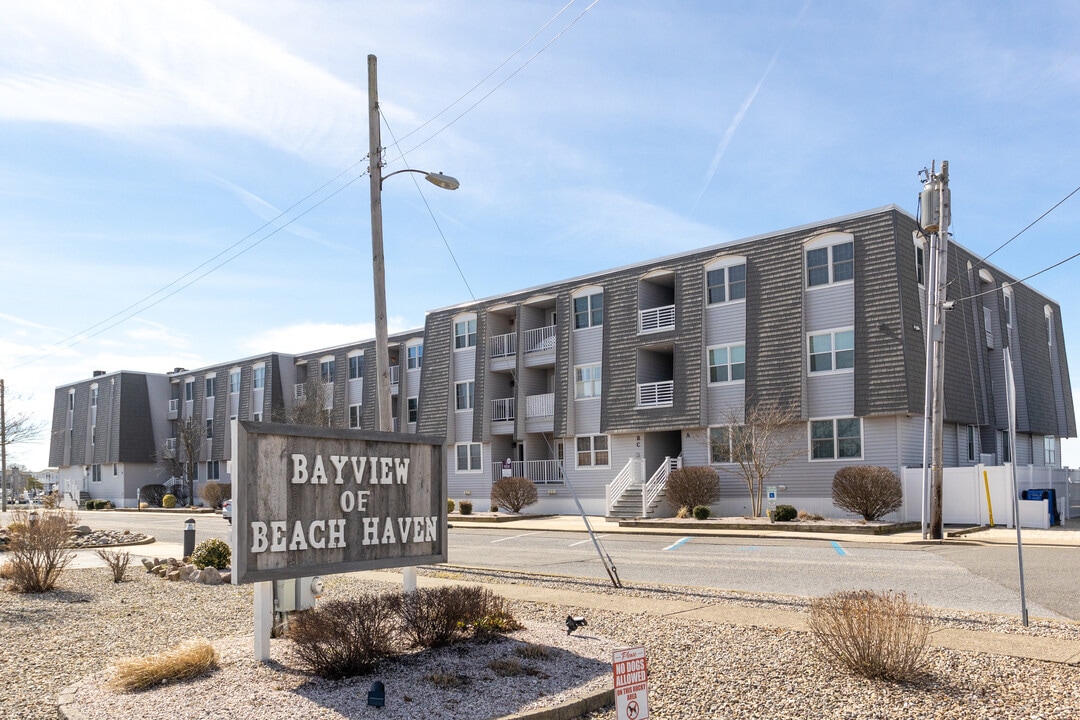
312, 501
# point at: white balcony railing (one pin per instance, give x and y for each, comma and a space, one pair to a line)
654, 319
174, 405
656, 394
170, 444
541, 472
299, 391
502, 409
395, 374
540, 339
540, 405
502, 345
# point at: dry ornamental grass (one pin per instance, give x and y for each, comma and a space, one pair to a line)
188, 660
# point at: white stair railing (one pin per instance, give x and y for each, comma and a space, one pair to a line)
631, 473
656, 484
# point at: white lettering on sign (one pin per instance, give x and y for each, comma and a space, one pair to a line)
277, 537
373, 470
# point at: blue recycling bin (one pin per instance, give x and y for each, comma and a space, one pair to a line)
1044, 494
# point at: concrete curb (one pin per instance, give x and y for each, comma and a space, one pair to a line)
569, 710
774, 527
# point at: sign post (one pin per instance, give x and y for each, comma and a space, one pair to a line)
631, 684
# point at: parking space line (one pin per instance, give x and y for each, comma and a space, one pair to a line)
582, 542
515, 537
839, 550
677, 543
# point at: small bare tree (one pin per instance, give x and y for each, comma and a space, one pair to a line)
182, 459
754, 441
312, 408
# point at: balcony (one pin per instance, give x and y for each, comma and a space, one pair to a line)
657, 394
540, 406
502, 410
656, 319
299, 391
174, 408
170, 445
395, 375
540, 340
541, 472
500, 346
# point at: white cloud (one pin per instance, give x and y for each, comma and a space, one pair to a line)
307, 337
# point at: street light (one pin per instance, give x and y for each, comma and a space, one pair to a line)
382, 352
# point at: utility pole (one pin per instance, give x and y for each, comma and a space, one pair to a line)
378, 259
935, 218
3, 451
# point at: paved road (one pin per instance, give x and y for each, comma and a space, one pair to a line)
952, 575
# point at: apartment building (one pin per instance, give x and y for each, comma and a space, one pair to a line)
596, 387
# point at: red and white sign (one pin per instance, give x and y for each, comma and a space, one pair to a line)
631, 684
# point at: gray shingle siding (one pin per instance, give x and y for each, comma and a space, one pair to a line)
134, 435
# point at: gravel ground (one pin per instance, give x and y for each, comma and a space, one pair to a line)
696, 670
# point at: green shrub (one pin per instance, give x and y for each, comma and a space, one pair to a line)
513, 493
213, 553
168, 501
343, 638
465, 507
449, 506
875, 635
701, 512
867, 490
692, 486
785, 513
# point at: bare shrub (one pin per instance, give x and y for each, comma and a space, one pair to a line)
876, 635
184, 662
531, 651
343, 638
514, 493
117, 562
867, 490
215, 493
152, 494
434, 617
447, 681
692, 486
38, 548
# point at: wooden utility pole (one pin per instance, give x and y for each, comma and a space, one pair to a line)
378, 260
935, 218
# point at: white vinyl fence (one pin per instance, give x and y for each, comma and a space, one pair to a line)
964, 495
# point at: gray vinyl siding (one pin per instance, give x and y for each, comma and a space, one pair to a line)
588, 347
725, 400
831, 395
829, 307
587, 416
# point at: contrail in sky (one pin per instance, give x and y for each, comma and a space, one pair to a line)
737, 120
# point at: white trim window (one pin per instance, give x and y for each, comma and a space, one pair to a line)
920, 262
414, 357
234, 382
587, 381
258, 377
470, 457
412, 409
836, 439
93, 395
356, 366
1007, 299
211, 385
465, 333
725, 283
1050, 450
464, 395
830, 264
326, 369
830, 351
95, 473
189, 390
209, 428
354, 417
724, 443
592, 451
213, 470
1049, 313
256, 416
727, 363
589, 310
1006, 447
972, 446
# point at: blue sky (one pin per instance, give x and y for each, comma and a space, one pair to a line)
140, 140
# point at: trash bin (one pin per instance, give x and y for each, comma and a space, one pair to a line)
1044, 494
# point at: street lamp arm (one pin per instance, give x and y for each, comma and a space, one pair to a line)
444, 181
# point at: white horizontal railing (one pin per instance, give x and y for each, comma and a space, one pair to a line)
395, 374
540, 339
170, 444
541, 472
659, 318
502, 345
540, 405
656, 394
174, 405
299, 391
502, 409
